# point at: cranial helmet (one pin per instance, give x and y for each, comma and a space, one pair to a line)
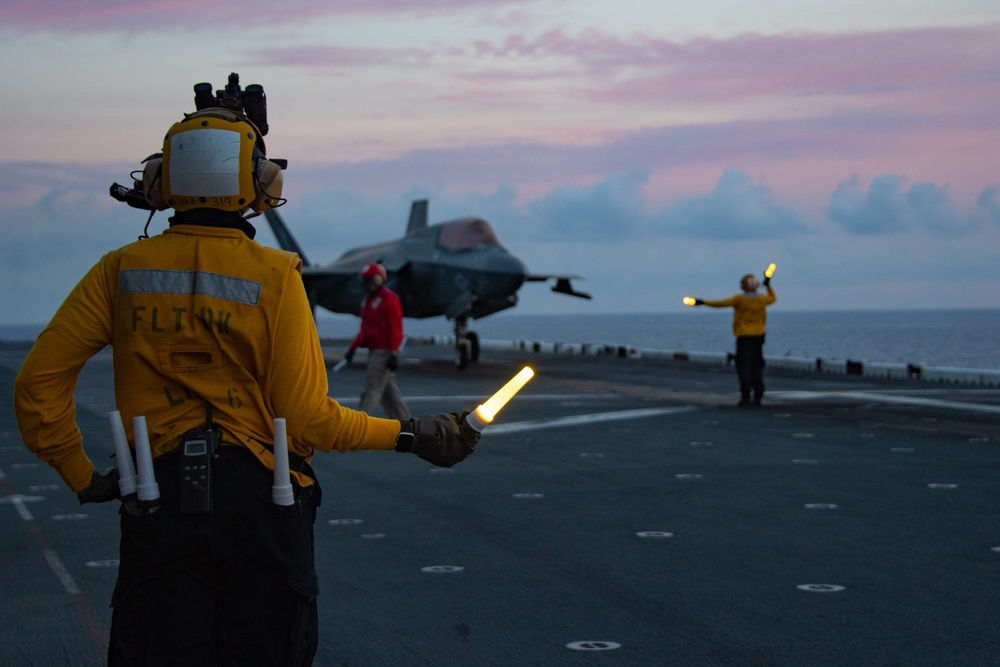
214, 158
372, 270
749, 283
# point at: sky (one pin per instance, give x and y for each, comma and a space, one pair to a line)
656, 148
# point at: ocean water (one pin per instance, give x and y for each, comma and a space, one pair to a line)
955, 338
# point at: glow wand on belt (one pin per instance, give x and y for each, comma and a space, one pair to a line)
123, 456
481, 417
281, 490
147, 488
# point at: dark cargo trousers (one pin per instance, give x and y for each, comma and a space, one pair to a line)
750, 367
234, 587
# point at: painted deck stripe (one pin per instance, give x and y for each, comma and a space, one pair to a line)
896, 399
579, 420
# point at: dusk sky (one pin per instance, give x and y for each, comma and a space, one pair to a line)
657, 148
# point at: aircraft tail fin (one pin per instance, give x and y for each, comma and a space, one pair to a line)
283, 236
418, 216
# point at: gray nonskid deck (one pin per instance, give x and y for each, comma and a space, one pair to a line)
618, 511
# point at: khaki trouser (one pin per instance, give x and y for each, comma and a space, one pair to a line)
380, 387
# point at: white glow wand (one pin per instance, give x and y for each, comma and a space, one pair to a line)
147, 488
769, 271
690, 301
281, 490
481, 417
123, 456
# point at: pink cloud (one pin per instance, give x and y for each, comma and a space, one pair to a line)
643, 69
72, 16
942, 71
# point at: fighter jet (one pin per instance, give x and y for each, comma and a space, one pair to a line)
457, 269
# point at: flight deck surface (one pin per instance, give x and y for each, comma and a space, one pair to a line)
617, 512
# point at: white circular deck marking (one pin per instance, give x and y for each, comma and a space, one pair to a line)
821, 506
902, 450
592, 455
529, 496
820, 588
373, 536
997, 549
942, 485
654, 534
688, 475
442, 569
345, 522
802, 436
593, 646
44, 487
103, 563
700, 443
440, 471
24, 466
867, 435
69, 517
804, 461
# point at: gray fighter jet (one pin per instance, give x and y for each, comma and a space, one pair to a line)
456, 268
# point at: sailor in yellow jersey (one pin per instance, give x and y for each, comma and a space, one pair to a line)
749, 319
213, 337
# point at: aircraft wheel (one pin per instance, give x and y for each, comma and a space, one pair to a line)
473, 338
462, 349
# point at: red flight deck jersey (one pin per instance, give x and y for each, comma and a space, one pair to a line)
381, 322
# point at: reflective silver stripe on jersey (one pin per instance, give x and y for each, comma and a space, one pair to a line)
160, 281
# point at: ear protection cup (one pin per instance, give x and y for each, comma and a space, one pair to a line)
151, 182
268, 182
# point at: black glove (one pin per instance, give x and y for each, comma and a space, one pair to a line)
699, 302
393, 363
103, 487
443, 439
349, 355
767, 280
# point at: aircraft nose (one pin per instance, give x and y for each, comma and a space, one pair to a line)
509, 266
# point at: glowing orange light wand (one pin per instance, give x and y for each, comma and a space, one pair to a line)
690, 301
769, 271
481, 417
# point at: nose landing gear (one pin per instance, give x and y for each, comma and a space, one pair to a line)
466, 344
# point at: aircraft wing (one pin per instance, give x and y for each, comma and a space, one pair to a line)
284, 237
562, 286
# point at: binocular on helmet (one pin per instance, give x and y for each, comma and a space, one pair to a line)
232, 103
250, 102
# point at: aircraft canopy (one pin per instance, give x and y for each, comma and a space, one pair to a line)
466, 234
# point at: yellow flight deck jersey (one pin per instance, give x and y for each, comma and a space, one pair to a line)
749, 311
197, 315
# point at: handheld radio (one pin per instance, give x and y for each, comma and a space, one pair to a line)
197, 450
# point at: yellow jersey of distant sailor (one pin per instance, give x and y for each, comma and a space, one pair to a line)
749, 311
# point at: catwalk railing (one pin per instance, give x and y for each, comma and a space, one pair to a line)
862, 367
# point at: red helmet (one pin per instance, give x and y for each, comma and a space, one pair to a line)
373, 270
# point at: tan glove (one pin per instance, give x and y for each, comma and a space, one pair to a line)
444, 439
